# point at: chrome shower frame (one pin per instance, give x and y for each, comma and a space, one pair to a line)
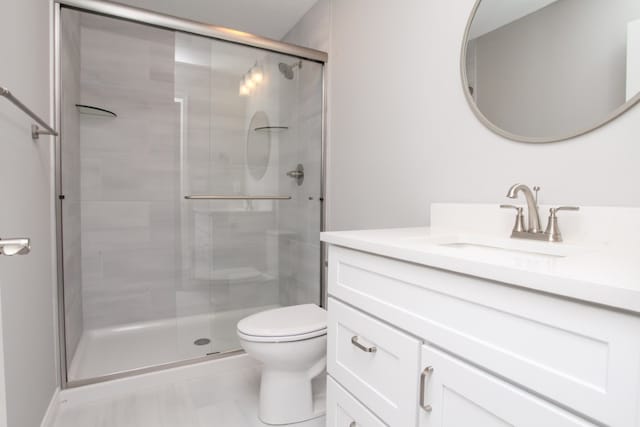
145, 17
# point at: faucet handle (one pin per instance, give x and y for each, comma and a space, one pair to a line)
519, 225
511, 207
553, 211
553, 230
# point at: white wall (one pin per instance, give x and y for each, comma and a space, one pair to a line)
314, 28
403, 136
26, 282
378, 150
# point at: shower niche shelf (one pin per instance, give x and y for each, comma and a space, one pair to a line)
92, 110
271, 128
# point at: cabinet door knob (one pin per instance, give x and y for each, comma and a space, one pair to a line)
423, 383
352, 424
354, 341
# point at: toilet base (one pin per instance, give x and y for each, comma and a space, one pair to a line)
291, 397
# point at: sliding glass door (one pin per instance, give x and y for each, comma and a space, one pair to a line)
191, 175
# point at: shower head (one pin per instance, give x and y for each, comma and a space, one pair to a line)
287, 70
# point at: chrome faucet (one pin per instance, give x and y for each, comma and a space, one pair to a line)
534, 231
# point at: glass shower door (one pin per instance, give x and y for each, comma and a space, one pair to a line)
251, 143
191, 175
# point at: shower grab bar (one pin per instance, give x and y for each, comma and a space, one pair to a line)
222, 197
35, 130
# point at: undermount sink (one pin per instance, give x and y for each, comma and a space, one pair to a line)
488, 246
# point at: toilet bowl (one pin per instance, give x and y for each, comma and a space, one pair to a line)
291, 343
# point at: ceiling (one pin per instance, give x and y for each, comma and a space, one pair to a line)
268, 18
493, 14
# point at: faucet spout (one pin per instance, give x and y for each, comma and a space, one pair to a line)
532, 205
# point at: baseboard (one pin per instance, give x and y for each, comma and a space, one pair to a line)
52, 409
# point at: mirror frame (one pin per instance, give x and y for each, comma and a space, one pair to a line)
506, 134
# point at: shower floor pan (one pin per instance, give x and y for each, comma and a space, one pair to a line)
140, 345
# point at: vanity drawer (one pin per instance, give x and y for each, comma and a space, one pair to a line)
343, 410
581, 356
375, 362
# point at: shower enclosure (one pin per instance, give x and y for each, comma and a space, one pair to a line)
190, 186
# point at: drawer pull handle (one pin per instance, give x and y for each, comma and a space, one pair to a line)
423, 383
354, 341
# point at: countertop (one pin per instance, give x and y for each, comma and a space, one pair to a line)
602, 274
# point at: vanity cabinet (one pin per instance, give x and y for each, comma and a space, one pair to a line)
499, 354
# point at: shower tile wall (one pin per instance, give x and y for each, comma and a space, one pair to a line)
192, 89
225, 245
301, 99
130, 174
300, 250
147, 254
70, 158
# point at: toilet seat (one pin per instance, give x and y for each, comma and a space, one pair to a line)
287, 324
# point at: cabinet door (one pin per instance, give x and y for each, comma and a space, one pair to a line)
459, 395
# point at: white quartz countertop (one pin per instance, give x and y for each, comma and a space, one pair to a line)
600, 273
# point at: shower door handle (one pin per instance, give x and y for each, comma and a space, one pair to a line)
16, 246
233, 197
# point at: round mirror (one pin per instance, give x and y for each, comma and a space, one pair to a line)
258, 145
549, 70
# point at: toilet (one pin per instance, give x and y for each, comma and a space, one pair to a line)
291, 343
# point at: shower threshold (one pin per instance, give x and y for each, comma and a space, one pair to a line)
135, 346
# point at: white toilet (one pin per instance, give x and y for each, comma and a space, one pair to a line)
291, 342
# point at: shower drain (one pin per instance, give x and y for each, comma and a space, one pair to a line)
202, 341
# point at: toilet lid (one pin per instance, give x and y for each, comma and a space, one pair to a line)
285, 322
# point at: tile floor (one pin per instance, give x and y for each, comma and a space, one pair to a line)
226, 399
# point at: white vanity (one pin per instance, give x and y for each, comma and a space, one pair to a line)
459, 326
